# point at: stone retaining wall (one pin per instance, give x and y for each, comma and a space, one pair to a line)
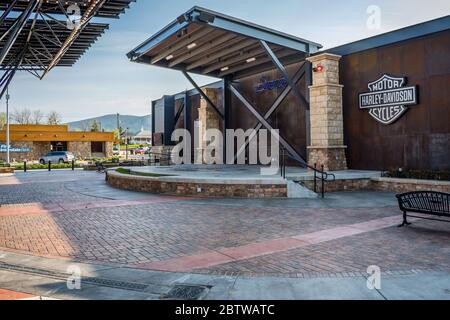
219, 190
382, 184
341, 185
409, 185
261, 191
6, 170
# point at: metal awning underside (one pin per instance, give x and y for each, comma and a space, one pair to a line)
43, 46
111, 9
38, 35
205, 42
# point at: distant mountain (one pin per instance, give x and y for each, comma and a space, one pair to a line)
109, 123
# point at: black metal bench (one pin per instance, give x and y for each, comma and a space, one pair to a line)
425, 202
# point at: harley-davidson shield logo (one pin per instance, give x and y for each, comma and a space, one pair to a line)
388, 99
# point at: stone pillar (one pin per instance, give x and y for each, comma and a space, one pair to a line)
109, 149
81, 150
208, 118
327, 123
162, 154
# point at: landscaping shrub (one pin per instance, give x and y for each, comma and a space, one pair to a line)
45, 166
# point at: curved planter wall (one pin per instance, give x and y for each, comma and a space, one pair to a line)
174, 186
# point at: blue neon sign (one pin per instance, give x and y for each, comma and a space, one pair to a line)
267, 85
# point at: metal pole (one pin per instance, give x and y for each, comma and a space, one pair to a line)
126, 143
7, 127
315, 177
24, 166
323, 182
49, 166
281, 162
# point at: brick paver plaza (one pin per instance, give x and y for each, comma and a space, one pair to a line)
77, 216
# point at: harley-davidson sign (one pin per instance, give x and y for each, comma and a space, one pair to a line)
388, 99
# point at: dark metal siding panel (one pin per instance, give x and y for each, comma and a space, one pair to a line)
290, 117
419, 140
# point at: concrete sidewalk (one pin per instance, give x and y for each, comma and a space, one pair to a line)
48, 278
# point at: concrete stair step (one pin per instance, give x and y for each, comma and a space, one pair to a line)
297, 191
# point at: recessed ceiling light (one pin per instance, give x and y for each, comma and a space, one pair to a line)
169, 57
251, 60
224, 69
192, 45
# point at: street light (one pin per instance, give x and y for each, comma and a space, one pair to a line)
7, 126
126, 142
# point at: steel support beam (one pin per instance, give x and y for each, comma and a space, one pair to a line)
20, 24
283, 71
228, 113
84, 21
8, 11
264, 122
308, 83
187, 112
6, 81
204, 96
9, 74
298, 75
180, 111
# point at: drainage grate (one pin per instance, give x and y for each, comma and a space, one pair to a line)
179, 292
88, 280
115, 284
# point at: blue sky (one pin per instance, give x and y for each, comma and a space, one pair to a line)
105, 82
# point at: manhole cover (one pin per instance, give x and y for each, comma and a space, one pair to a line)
186, 293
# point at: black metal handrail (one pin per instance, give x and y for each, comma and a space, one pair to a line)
319, 175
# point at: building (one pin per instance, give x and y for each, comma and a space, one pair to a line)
144, 137
29, 142
375, 104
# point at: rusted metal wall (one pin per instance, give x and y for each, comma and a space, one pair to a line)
420, 139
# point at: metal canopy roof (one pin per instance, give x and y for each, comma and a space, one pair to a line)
209, 43
38, 35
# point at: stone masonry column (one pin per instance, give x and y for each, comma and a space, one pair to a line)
327, 123
208, 118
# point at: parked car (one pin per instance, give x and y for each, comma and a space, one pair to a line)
116, 151
140, 151
57, 157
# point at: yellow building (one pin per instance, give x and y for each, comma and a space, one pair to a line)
30, 142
